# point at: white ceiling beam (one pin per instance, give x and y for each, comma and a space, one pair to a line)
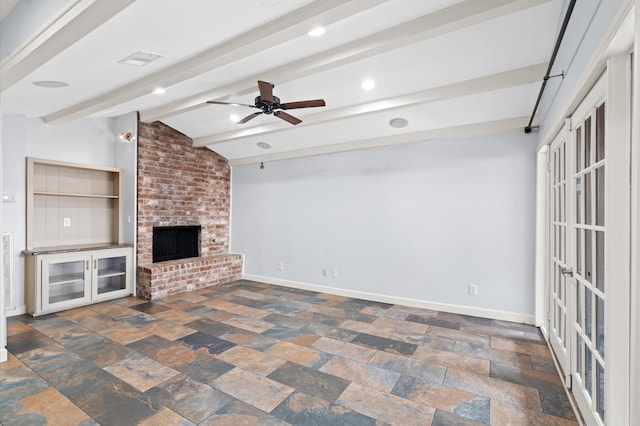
511, 78
71, 25
282, 29
465, 130
466, 13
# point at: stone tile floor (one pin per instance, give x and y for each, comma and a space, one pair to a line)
248, 353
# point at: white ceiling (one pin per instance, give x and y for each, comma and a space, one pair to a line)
450, 67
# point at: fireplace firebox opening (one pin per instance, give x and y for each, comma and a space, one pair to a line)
175, 242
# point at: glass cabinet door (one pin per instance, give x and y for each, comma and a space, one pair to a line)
65, 280
110, 273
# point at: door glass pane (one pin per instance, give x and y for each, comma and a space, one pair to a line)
587, 199
600, 133
579, 251
587, 369
587, 312
600, 196
579, 298
66, 281
600, 400
600, 325
112, 274
588, 259
562, 163
600, 260
579, 200
579, 354
578, 148
587, 142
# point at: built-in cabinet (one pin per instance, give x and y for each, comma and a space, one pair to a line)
66, 280
74, 254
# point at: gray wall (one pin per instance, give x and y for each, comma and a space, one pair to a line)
87, 141
418, 221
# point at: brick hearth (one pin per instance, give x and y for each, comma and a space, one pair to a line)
179, 184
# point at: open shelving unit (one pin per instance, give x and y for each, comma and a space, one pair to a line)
75, 254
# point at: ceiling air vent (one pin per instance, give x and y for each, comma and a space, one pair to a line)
140, 58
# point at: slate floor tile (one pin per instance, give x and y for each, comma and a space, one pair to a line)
444, 418
28, 341
365, 374
452, 359
189, 398
141, 372
46, 407
511, 393
298, 354
409, 366
212, 344
503, 414
302, 409
261, 392
385, 407
166, 417
344, 349
104, 353
117, 404
310, 381
458, 402
251, 360
384, 344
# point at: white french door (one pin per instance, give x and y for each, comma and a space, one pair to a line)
588, 234
558, 318
589, 249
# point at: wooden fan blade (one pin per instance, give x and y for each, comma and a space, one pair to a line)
287, 117
266, 91
303, 104
230, 103
249, 117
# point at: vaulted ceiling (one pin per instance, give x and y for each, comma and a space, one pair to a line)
448, 67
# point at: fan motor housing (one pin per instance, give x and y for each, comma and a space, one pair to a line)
267, 107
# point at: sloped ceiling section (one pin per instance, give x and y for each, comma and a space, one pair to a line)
447, 67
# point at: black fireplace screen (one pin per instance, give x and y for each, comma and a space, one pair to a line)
175, 242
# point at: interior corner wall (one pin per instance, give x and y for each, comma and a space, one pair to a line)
418, 221
87, 141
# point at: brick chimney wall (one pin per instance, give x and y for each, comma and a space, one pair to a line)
179, 184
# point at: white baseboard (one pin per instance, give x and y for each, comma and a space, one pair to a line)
18, 310
416, 303
4, 355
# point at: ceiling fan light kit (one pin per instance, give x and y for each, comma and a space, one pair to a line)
270, 105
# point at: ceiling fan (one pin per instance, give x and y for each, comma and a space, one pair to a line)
270, 104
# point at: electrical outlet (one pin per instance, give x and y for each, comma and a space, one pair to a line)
334, 273
473, 289
66, 222
325, 272
280, 266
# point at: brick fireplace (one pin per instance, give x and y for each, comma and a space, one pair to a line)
181, 186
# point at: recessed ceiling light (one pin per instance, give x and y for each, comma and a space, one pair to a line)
159, 91
263, 145
398, 122
234, 117
140, 58
368, 84
316, 32
50, 84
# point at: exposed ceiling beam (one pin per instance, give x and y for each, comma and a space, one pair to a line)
487, 83
292, 25
469, 12
72, 24
442, 133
